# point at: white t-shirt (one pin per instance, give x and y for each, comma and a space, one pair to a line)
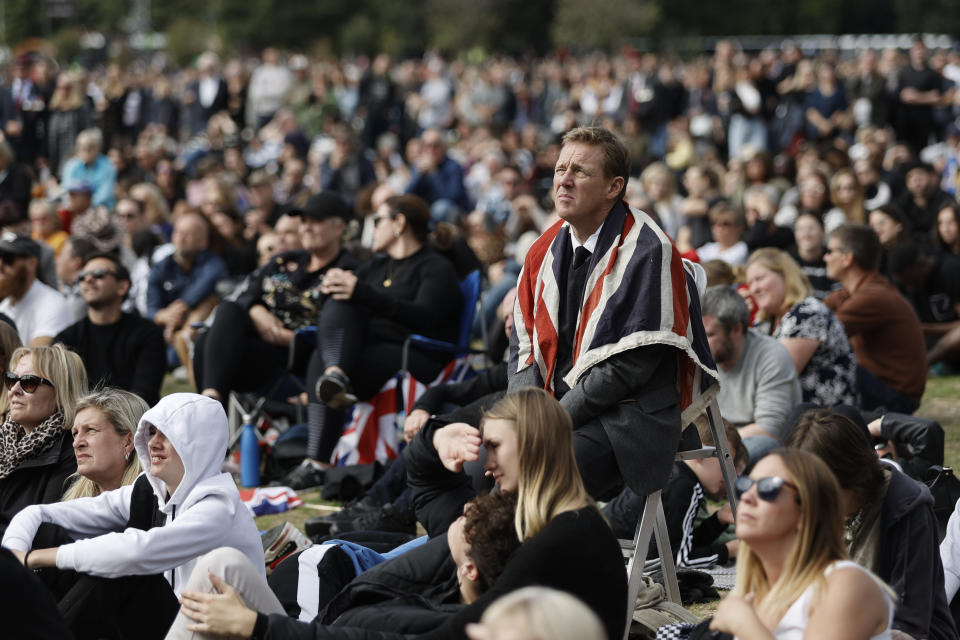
43, 311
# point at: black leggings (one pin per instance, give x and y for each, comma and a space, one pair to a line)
344, 341
231, 355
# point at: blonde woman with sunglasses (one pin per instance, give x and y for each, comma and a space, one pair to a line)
41, 389
793, 577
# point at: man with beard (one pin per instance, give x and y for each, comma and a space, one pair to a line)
118, 349
758, 381
38, 311
181, 289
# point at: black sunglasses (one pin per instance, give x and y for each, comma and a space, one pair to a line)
767, 488
28, 383
98, 274
377, 219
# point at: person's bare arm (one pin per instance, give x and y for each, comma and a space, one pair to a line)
753, 429
801, 350
39, 558
269, 326
851, 607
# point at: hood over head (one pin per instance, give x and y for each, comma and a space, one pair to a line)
196, 426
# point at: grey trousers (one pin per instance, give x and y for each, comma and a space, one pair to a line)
234, 567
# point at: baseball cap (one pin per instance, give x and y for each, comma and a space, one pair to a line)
18, 244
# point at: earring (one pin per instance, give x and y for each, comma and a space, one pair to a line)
396, 234
127, 456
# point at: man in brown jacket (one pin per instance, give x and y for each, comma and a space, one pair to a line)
884, 329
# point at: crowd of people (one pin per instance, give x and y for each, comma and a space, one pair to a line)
777, 229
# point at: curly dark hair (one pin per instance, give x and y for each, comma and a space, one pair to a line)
490, 532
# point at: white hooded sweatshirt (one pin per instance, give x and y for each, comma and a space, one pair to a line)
204, 513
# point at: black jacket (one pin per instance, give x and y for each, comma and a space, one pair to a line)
487, 381
919, 442
38, 480
438, 495
908, 559
410, 594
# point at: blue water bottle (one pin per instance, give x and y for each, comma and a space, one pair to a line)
249, 454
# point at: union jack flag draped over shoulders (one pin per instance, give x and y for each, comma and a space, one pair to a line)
637, 293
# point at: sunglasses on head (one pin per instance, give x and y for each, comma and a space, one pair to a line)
767, 488
28, 383
98, 274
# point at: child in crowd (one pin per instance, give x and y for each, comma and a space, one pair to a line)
692, 483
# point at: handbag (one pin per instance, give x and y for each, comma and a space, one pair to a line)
945, 488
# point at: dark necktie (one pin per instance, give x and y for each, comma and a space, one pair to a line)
572, 301
576, 279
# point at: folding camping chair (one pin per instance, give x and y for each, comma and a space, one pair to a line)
653, 521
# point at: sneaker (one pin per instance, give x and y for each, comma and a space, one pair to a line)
280, 542
386, 518
333, 390
321, 525
303, 476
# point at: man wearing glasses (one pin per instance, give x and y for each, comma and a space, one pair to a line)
118, 349
883, 328
38, 311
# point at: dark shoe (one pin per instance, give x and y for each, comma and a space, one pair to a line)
303, 476
321, 525
333, 390
384, 519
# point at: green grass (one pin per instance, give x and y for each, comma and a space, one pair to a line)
314, 506
941, 402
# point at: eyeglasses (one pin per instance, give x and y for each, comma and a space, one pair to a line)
377, 219
767, 488
97, 274
8, 258
28, 383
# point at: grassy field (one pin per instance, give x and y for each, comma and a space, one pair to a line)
941, 402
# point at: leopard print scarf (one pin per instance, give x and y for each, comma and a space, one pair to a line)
16, 445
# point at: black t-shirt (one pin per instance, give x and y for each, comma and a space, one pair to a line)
129, 354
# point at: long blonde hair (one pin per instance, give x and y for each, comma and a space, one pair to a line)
818, 544
123, 410
796, 285
549, 479
63, 368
